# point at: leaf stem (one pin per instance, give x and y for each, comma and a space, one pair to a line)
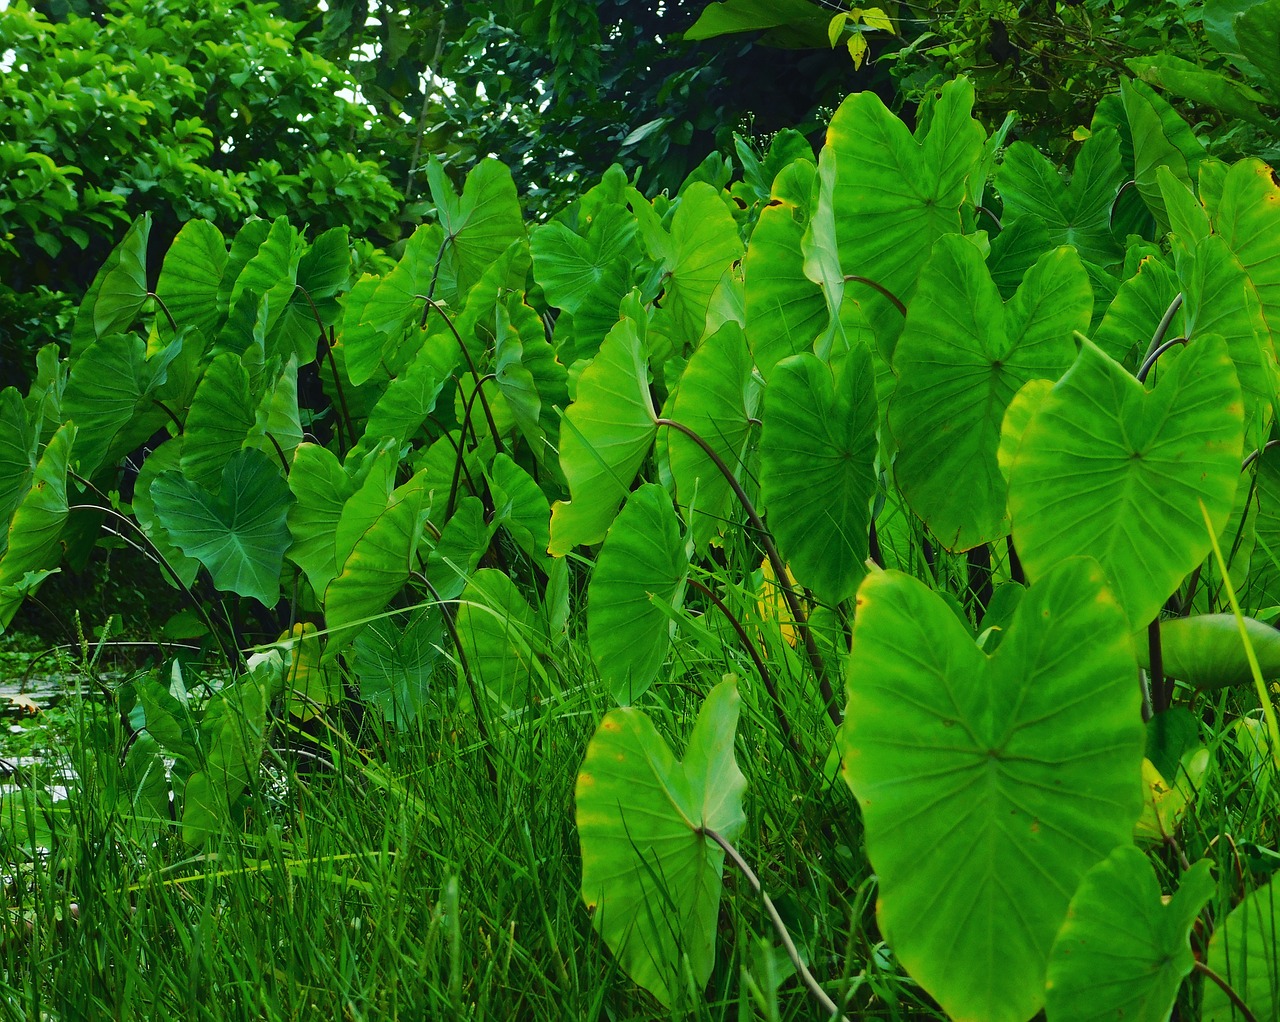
775, 560
173, 325
1149, 362
853, 278
1163, 328
1236, 1000
761, 669
829, 1006
466, 353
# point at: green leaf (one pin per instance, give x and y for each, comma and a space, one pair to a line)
704, 243
501, 637
480, 224
219, 420
716, 398
962, 356
1188, 80
1122, 953
605, 435
411, 397
1245, 951
1258, 33
650, 877
17, 455
109, 396
817, 467
376, 312
1206, 650
123, 288
785, 310
320, 490
639, 576
322, 269
271, 273
1248, 219
989, 785
1078, 213
395, 663
232, 737
1106, 467
1137, 309
164, 458
191, 276
239, 533
520, 506
37, 522
1160, 139
380, 557
894, 194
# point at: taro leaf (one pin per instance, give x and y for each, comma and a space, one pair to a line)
378, 563
1206, 651
817, 467
239, 533
716, 399
463, 541
277, 425
1220, 300
395, 662
109, 396
796, 20
515, 381
248, 240
1133, 315
1106, 467
1170, 734
17, 455
232, 737
182, 570
704, 244
1187, 80
219, 420
1245, 951
122, 290
311, 687
650, 877
897, 194
1160, 139
1078, 213
375, 313
1248, 219
989, 785
1123, 953
191, 275
501, 637
320, 489
962, 356
1014, 251
271, 273
785, 310
480, 224
322, 269
1258, 33
604, 437
520, 506
37, 522
587, 276
550, 379
638, 578
411, 397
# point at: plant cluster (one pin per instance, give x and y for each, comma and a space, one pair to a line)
946, 469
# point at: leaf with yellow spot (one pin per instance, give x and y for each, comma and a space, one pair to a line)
773, 605
650, 875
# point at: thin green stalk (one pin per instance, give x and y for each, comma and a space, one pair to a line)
1264, 697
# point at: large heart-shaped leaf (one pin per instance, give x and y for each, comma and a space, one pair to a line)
501, 638
219, 420
37, 523
638, 577
122, 288
191, 274
1078, 213
1245, 951
1160, 139
1106, 467
1207, 650
605, 436
989, 785
479, 224
1248, 217
650, 876
962, 356
704, 243
716, 398
239, 533
897, 194
785, 310
395, 660
817, 467
1123, 953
